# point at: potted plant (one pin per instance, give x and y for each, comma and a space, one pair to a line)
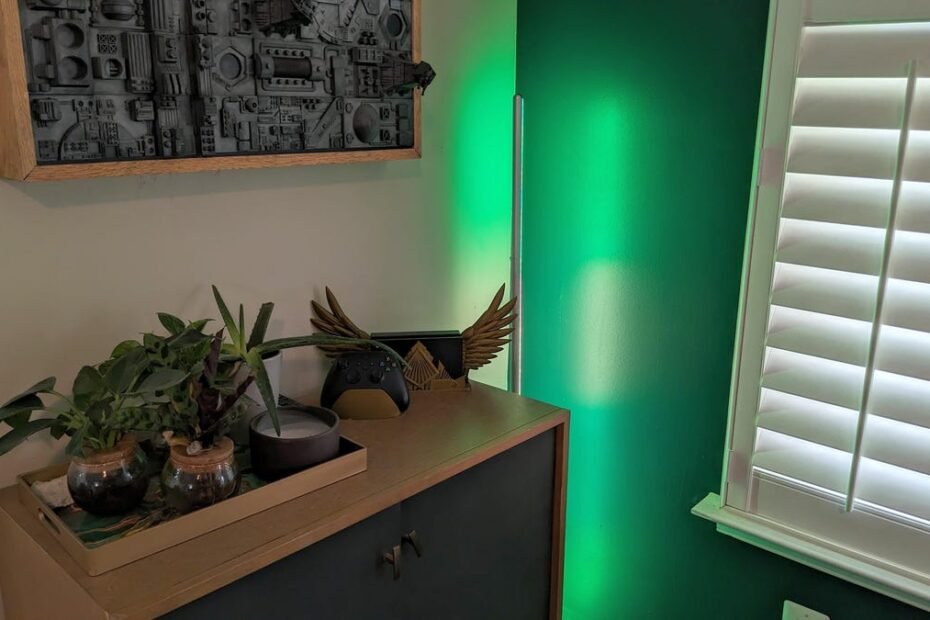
201, 469
109, 403
187, 385
199, 411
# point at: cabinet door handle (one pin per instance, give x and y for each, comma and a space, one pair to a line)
414, 541
392, 557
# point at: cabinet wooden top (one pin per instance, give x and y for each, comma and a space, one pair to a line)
441, 435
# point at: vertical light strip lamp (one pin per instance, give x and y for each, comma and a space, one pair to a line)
516, 249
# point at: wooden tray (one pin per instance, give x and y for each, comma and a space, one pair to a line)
141, 541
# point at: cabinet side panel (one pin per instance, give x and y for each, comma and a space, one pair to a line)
17, 151
559, 501
29, 575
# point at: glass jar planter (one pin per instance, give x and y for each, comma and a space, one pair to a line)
195, 481
112, 482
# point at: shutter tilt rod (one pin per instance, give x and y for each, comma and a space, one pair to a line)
882, 285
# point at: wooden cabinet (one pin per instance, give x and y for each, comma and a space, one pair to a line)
475, 481
476, 546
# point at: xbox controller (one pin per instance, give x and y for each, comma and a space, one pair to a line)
366, 385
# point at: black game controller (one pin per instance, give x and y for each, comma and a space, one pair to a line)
366, 385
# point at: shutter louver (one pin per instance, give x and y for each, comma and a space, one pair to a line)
844, 409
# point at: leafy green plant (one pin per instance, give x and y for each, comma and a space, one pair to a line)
200, 406
186, 382
107, 401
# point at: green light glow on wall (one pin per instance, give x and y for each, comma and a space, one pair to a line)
581, 293
600, 123
480, 174
640, 125
597, 224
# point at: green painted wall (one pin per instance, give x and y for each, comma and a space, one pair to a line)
640, 128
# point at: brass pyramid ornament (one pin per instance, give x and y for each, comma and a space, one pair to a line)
421, 368
430, 363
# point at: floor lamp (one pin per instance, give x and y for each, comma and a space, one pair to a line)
516, 249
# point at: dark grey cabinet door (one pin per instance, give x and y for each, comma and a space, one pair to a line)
485, 537
341, 577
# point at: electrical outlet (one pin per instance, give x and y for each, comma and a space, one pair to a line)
793, 611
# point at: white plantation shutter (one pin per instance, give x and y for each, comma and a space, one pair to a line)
830, 435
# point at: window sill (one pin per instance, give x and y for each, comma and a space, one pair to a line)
768, 535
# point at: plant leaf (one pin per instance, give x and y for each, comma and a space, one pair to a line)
45, 386
173, 324
260, 329
241, 341
227, 316
254, 360
76, 445
161, 380
19, 435
88, 385
125, 347
294, 342
123, 373
199, 325
187, 337
282, 344
17, 413
57, 430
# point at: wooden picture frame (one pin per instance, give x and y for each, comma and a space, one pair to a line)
18, 152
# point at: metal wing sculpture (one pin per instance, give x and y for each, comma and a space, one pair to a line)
487, 337
480, 343
335, 322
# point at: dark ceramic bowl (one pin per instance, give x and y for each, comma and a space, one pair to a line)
309, 436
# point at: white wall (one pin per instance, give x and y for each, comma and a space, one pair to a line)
84, 265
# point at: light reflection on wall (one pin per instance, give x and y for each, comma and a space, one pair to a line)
480, 176
640, 124
599, 303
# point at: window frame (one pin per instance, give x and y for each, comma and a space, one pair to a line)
730, 509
